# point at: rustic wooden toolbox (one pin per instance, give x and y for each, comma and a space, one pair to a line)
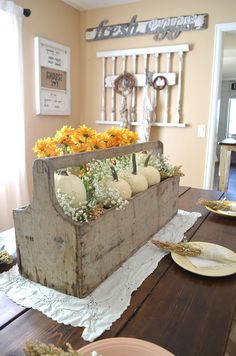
73, 257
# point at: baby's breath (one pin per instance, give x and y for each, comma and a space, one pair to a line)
86, 212
161, 163
94, 176
108, 197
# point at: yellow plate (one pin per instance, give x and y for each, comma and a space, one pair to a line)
216, 271
224, 212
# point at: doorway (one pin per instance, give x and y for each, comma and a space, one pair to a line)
221, 30
231, 122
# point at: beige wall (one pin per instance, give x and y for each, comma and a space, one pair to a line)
182, 146
56, 21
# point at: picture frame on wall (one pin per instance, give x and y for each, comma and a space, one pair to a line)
52, 78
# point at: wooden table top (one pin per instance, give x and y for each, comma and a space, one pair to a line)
185, 313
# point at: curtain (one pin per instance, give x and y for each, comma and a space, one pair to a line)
13, 181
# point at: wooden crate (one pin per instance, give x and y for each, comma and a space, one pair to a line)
75, 258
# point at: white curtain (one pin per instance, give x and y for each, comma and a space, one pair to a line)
13, 182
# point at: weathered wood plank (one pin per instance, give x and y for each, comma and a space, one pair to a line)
54, 163
141, 51
103, 111
141, 79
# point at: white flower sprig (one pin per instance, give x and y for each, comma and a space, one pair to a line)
99, 195
161, 163
108, 197
84, 213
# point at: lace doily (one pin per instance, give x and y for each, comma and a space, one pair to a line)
104, 305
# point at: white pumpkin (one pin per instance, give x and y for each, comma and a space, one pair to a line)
151, 174
137, 181
141, 158
121, 185
72, 186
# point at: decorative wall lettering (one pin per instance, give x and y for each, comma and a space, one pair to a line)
52, 78
161, 28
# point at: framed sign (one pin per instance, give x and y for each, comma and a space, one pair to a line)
52, 75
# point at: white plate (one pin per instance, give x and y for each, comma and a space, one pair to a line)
223, 212
221, 270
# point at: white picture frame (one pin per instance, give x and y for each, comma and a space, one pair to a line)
52, 78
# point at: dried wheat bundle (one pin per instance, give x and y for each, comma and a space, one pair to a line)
40, 349
182, 248
214, 204
215, 253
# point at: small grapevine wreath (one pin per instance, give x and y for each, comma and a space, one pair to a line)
159, 87
124, 83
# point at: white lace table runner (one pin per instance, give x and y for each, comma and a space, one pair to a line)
104, 305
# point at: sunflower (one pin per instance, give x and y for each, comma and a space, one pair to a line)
129, 137
47, 147
85, 132
69, 140
81, 147
113, 137
63, 136
97, 142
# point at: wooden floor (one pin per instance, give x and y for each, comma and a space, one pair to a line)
232, 179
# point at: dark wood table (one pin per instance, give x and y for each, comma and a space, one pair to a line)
185, 313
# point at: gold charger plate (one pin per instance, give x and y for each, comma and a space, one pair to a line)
224, 269
224, 212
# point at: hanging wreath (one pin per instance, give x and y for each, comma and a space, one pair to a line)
159, 87
124, 83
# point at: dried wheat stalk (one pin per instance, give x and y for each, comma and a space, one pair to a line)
214, 204
40, 349
193, 250
182, 248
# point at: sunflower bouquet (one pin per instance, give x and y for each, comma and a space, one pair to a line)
68, 140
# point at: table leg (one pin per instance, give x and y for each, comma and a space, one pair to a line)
225, 157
